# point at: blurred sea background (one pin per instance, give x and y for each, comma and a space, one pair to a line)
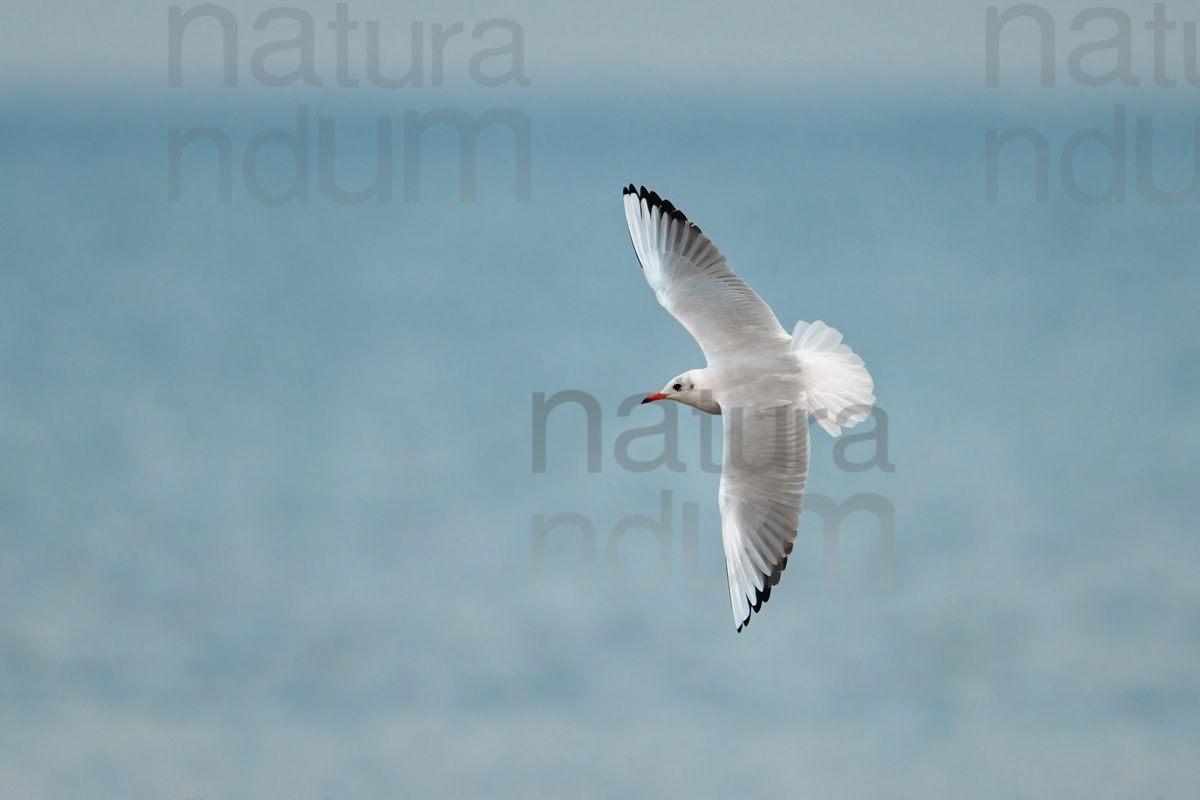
267, 484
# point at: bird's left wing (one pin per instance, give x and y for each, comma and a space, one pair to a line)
762, 484
691, 280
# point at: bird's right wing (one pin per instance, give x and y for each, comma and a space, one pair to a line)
762, 484
691, 280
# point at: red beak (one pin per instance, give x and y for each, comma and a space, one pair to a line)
653, 397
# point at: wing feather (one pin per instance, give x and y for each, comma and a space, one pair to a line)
691, 280
762, 486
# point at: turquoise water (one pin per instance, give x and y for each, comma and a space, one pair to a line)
267, 494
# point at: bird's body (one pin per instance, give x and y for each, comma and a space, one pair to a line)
763, 382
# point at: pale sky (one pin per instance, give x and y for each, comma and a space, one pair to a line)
624, 47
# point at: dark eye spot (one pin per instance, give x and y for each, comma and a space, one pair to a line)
677, 386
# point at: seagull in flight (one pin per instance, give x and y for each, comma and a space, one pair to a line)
764, 384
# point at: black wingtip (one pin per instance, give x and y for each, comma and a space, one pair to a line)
666, 206
763, 595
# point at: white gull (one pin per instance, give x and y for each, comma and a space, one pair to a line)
762, 382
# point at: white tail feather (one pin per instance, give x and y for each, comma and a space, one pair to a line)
838, 386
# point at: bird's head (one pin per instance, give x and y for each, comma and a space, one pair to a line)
689, 389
